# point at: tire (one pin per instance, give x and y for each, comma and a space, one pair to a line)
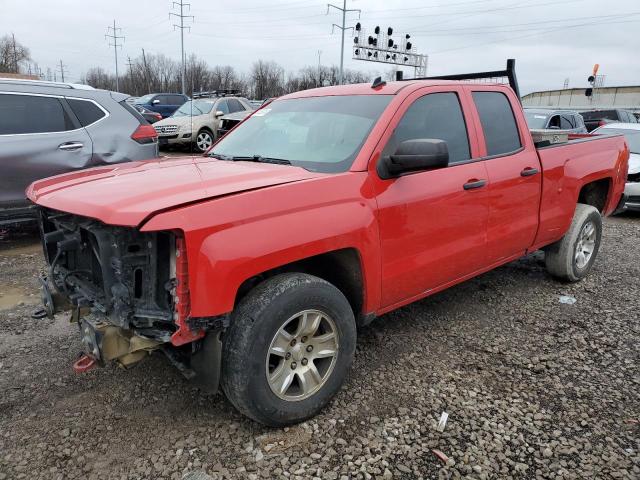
562, 259
259, 321
204, 139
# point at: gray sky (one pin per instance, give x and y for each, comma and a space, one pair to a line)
551, 40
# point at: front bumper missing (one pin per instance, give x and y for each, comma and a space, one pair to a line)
104, 342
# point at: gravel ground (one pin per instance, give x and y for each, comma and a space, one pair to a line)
534, 389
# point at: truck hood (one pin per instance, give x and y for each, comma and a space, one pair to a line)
127, 194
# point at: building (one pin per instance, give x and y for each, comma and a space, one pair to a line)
574, 98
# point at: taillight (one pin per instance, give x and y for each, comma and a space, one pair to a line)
145, 134
602, 123
158, 116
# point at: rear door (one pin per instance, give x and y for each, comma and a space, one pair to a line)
432, 223
162, 106
514, 174
39, 137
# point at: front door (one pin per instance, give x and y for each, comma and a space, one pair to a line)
39, 137
433, 223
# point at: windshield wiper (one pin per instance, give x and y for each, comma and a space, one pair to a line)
259, 158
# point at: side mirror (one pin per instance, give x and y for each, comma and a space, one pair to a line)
155, 102
219, 113
414, 156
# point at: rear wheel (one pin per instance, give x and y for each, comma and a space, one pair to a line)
572, 257
204, 140
288, 349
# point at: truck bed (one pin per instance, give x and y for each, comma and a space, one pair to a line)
566, 167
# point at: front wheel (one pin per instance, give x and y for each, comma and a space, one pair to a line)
288, 349
204, 140
572, 257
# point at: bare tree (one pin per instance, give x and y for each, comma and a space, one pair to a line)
13, 55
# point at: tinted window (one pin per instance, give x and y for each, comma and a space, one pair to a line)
235, 105
222, 107
498, 123
599, 114
436, 116
176, 100
566, 122
87, 112
163, 99
32, 114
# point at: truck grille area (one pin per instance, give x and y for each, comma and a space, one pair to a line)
118, 272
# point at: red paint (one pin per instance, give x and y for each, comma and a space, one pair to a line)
415, 235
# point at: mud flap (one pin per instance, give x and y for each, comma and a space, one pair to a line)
207, 362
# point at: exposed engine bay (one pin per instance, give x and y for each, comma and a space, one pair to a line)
126, 289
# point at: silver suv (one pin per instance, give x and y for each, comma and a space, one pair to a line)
48, 128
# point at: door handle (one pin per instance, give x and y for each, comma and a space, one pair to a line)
529, 171
70, 146
470, 185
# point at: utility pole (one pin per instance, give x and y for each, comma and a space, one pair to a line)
62, 67
344, 11
182, 16
146, 71
115, 37
15, 55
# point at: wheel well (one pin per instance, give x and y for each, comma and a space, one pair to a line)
341, 268
595, 193
207, 129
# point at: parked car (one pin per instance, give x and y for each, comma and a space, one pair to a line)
197, 121
49, 128
251, 267
631, 132
163, 103
565, 120
598, 118
149, 116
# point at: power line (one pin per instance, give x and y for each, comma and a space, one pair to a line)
115, 37
182, 16
342, 28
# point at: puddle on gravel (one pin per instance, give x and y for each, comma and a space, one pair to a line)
10, 297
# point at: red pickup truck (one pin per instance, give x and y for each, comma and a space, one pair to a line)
252, 266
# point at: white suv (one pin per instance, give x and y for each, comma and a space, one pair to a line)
197, 121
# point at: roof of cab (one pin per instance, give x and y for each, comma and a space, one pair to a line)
389, 88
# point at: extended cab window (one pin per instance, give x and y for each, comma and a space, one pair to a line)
86, 111
437, 116
21, 114
498, 122
566, 122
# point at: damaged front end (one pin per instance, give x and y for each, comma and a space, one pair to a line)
127, 290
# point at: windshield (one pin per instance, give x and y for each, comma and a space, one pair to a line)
145, 99
631, 136
322, 134
535, 120
194, 107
